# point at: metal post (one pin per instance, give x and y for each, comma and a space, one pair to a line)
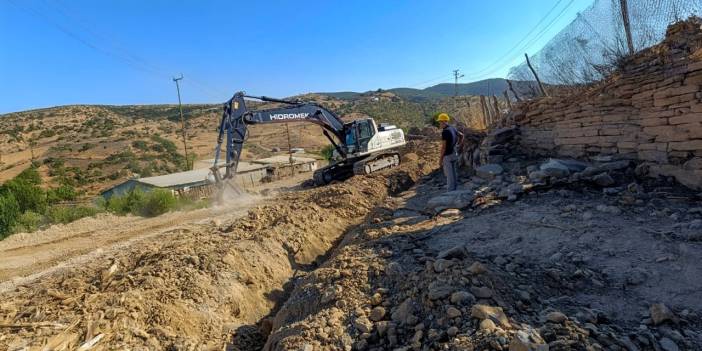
627, 25
509, 103
498, 115
509, 83
182, 123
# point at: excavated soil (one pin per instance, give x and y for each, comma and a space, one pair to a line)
192, 287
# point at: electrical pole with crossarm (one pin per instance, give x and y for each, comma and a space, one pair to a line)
456, 75
182, 123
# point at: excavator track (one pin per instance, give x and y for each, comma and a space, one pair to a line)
343, 171
328, 174
376, 163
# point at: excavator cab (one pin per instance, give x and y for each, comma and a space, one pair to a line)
358, 135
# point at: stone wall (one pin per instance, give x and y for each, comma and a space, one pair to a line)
650, 110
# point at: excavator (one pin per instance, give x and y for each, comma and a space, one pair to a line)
361, 146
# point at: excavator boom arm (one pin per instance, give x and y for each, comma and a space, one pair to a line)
236, 117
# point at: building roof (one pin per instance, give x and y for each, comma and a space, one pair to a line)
196, 176
242, 167
284, 159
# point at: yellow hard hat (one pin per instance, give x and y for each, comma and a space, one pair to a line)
443, 117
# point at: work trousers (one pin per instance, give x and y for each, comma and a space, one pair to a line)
449, 165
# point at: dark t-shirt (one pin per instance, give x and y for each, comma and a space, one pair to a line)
450, 135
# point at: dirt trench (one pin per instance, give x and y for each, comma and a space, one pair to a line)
193, 287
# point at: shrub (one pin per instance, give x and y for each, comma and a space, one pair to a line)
27, 222
30, 197
65, 192
158, 202
47, 133
86, 147
149, 204
127, 203
327, 152
9, 211
67, 214
31, 175
140, 145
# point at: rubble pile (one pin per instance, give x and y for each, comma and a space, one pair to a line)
650, 110
386, 289
436, 270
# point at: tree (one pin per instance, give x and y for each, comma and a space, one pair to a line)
30, 197
9, 212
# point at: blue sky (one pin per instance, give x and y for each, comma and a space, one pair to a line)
58, 52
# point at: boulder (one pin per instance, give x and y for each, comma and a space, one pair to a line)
481, 292
458, 252
450, 200
441, 265
453, 312
438, 291
669, 345
403, 311
489, 312
556, 317
528, 341
377, 313
488, 325
560, 168
462, 298
661, 313
603, 179
553, 168
489, 171
537, 176
693, 164
363, 325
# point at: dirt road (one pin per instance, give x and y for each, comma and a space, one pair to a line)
26, 256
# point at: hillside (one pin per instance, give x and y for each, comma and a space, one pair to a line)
93, 147
487, 87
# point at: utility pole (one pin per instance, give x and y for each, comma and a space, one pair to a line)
456, 75
32, 143
182, 122
290, 157
627, 25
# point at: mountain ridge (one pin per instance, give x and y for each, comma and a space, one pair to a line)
487, 87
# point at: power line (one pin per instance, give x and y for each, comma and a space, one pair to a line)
489, 69
531, 42
438, 78
114, 48
521, 40
548, 26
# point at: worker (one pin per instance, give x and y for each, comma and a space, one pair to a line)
451, 139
